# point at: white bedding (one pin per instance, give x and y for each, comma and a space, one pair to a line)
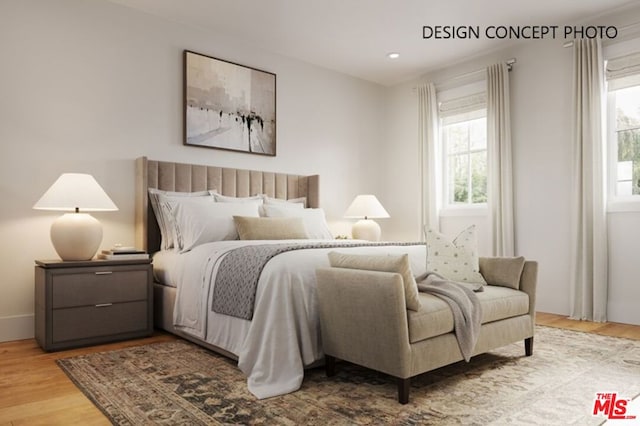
166, 267
284, 335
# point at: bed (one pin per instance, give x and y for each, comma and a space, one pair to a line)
282, 336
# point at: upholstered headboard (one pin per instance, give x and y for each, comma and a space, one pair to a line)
183, 177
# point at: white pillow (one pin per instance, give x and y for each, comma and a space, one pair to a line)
198, 223
314, 220
384, 263
285, 204
455, 260
256, 199
298, 203
165, 220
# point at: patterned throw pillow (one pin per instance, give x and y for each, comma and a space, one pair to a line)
455, 260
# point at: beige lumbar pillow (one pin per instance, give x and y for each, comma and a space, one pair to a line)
502, 271
382, 263
270, 228
455, 260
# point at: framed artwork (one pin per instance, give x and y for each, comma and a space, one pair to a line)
228, 106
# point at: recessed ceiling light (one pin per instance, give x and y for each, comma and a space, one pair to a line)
393, 55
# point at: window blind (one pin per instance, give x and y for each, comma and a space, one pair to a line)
623, 72
463, 109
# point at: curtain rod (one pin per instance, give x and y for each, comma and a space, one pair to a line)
621, 29
508, 62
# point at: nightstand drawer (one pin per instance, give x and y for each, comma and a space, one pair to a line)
96, 287
92, 321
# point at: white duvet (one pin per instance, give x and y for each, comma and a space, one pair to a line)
284, 335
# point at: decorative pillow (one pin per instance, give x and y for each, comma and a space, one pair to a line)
270, 228
197, 223
502, 271
314, 220
298, 203
165, 220
455, 260
382, 263
256, 199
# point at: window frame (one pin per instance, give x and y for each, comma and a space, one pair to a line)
615, 202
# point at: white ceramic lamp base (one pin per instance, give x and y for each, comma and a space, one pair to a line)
366, 229
76, 236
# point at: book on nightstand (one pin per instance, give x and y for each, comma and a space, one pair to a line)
123, 253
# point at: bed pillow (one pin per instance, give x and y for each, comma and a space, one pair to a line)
383, 263
270, 228
314, 220
157, 198
197, 223
256, 199
457, 259
502, 271
298, 203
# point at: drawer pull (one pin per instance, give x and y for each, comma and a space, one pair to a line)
103, 305
104, 273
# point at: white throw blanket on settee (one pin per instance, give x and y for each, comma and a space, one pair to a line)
464, 304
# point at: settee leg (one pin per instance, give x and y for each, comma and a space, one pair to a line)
330, 365
403, 390
528, 346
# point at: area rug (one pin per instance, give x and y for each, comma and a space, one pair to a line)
177, 383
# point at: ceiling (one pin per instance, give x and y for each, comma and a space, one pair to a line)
354, 36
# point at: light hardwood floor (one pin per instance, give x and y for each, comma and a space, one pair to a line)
34, 391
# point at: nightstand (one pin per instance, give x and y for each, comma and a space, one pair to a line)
79, 303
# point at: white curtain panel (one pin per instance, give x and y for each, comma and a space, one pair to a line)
429, 156
589, 251
500, 176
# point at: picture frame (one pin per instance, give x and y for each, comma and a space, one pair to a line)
228, 106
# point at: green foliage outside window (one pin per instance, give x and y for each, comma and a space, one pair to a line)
466, 146
627, 128
629, 146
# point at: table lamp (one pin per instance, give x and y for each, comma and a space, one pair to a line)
77, 235
365, 207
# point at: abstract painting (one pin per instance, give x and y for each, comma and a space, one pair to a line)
228, 106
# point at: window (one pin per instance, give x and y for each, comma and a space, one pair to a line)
623, 127
624, 141
464, 143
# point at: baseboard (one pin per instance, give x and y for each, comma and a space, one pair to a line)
17, 327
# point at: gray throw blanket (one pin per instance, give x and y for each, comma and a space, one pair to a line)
236, 282
464, 304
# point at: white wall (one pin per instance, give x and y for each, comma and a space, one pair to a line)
542, 160
88, 86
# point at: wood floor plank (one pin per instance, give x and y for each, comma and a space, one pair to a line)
614, 329
35, 391
63, 409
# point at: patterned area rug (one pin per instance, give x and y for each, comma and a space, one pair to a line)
179, 383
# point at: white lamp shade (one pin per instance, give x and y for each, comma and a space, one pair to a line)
366, 206
76, 236
74, 192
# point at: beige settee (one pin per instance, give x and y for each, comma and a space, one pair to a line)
364, 320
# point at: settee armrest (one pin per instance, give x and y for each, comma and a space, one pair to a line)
363, 318
528, 283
